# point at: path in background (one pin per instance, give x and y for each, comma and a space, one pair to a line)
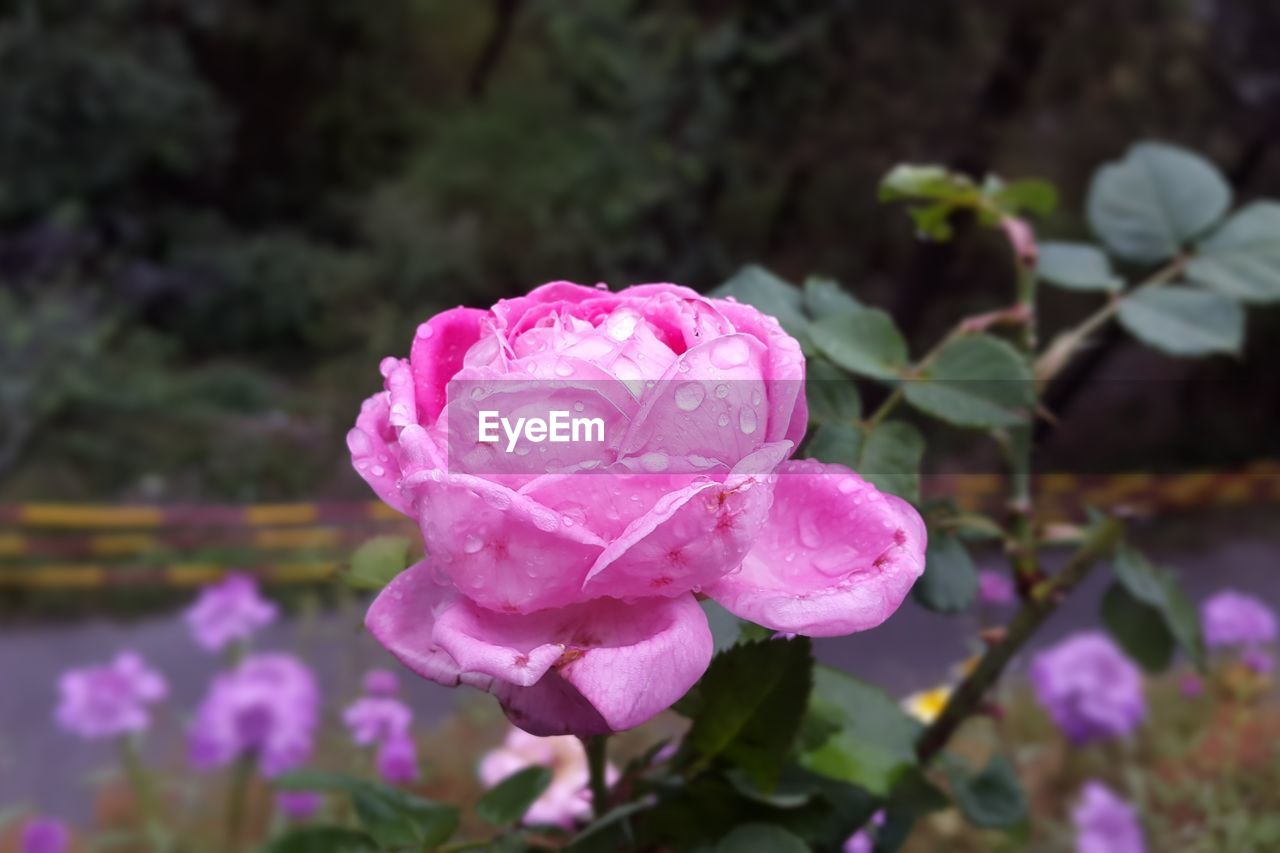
42, 766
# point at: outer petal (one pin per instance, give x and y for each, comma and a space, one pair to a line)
836, 556
501, 548
615, 664
437, 354
691, 536
372, 442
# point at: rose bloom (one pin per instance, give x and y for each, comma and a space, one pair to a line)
568, 797
1089, 687
228, 611
1105, 823
109, 700
268, 706
563, 580
1234, 619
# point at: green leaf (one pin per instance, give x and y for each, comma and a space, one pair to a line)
1137, 628
756, 286
836, 442
909, 181
748, 708
831, 394
824, 297
322, 839
890, 459
377, 561
992, 798
1182, 321
1159, 589
761, 838
950, 579
865, 342
508, 801
861, 735
1147, 206
1242, 258
976, 381
1032, 194
391, 816
1077, 266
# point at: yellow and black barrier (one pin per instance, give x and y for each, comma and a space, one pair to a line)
79, 546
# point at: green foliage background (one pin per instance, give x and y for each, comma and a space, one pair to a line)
215, 215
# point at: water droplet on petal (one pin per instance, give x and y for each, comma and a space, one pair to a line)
425, 331
689, 396
729, 352
747, 420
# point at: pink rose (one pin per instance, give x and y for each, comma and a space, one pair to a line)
563, 578
568, 797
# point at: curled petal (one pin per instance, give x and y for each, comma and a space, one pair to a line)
836, 555
788, 410
589, 668
437, 354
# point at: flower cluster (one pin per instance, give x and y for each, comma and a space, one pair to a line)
565, 583
1089, 687
568, 797
229, 612
1105, 823
379, 719
109, 700
267, 706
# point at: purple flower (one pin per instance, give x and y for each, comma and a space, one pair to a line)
861, 841
299, 805
1089, 687
381, 682
1105, 823
109, 700
1231, 618
45, 835
397, 760
374, 719
1258, 660
267, 706
228, 611
994, 587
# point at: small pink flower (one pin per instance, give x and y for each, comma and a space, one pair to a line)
1105, 823
110, 700
381, 682
229, 611
995, 587
374, 719
397, 760
1234, 619
568, 798
862, 840
565, 582
45, 835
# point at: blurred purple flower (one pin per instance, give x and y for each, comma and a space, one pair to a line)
1105, 823
1090, 689
861, 841
375, 719
45, 835
267, 706
994, 587
1191, 686
397, 759
1258, 660
109, 700
299, 805
228, 611
381, 682
568, 797
1231, 618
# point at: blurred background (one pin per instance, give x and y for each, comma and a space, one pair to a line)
216, 216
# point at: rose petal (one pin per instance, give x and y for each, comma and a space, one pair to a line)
438, 352
836, 555
784, 370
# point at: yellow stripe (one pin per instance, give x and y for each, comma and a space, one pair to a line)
264, 515
302, 572
12, 544
381, 512
116, 544
307, 537
192, 574
1185, 489
54, 577
71, 515
1234, 490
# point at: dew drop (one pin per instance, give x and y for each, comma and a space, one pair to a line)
729, 352
689, 396
472, 544
425, 331
723, 420
747, 420
654, 462
722, 391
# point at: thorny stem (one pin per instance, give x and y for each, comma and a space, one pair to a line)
597, 756
1042, 601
